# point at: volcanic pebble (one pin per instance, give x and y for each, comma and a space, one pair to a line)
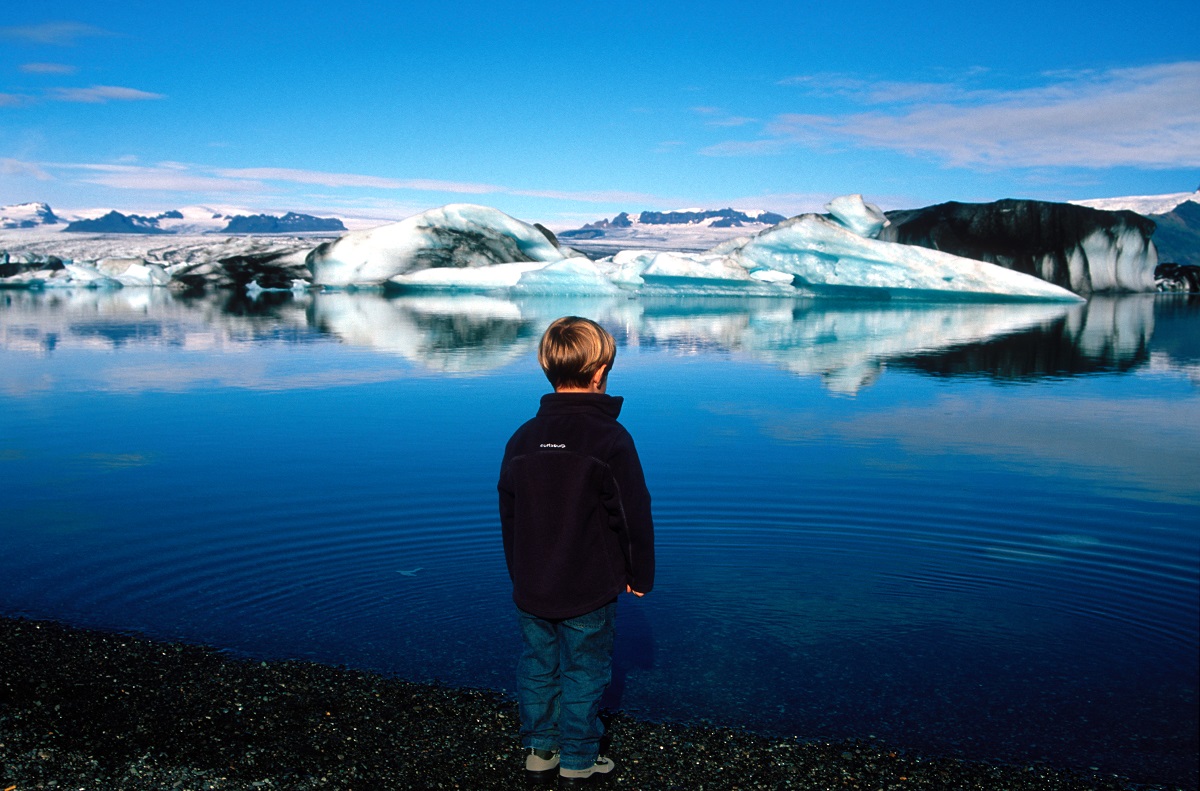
84, 709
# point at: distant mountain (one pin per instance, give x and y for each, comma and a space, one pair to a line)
1177, 236
711, 218
685, 229
288, 223
199, 219
27, 215
115, 222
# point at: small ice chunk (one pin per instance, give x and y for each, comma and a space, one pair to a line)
772, 276
133, 271
479, 278
572, 276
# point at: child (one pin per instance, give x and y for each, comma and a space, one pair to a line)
575, 516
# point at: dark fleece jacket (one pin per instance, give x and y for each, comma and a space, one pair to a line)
574, 509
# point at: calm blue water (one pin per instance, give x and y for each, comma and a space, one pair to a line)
969, 530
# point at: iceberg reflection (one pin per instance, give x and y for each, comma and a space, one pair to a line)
847, 344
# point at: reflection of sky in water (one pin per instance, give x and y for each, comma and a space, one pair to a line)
989, 549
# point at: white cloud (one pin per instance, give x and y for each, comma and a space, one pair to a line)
876, 91
100, 94
732, 120
1146, 117
62, 34
13, 100
357, 180
593, 196
47, 68
168, 178
718, 117
184, 177
15, 167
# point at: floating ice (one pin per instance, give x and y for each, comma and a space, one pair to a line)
133, 272
457, 236
828, 259
1076, 247
569, 277
463, 247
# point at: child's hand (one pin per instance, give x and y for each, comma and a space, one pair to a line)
629, 589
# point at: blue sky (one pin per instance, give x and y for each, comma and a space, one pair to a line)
567, 112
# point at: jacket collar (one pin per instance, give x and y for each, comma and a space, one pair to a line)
568, 403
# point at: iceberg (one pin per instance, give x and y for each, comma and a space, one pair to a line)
457, 236
1086, 250
478, 249
829, 259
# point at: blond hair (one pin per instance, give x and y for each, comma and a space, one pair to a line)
573, 349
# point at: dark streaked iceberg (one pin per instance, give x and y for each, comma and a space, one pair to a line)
1079, 248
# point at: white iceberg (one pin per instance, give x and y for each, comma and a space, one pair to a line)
829, 259
476, 248
133, 272
457, 236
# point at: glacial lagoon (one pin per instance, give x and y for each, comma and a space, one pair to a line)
961, 529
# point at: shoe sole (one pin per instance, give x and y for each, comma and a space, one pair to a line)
545, 777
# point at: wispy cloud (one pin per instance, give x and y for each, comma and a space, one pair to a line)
877, 91
1146, 117
101, 94
732, 120
325, 179
718, 117
62, 34
48, 68
185, 177
594, 196
15, 167
164, 177
13, 100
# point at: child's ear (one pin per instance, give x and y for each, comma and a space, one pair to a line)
599, 377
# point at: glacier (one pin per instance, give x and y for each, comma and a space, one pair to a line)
478, 249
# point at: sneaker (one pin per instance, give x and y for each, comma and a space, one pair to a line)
541, 766
602, 770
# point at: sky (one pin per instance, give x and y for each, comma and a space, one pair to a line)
567, 112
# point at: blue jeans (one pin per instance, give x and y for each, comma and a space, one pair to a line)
563, 672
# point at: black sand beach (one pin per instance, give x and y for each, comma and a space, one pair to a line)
92, 710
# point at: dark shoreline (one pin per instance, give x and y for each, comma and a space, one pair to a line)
89, 709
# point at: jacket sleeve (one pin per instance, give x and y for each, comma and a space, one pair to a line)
632, 516
507, 511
